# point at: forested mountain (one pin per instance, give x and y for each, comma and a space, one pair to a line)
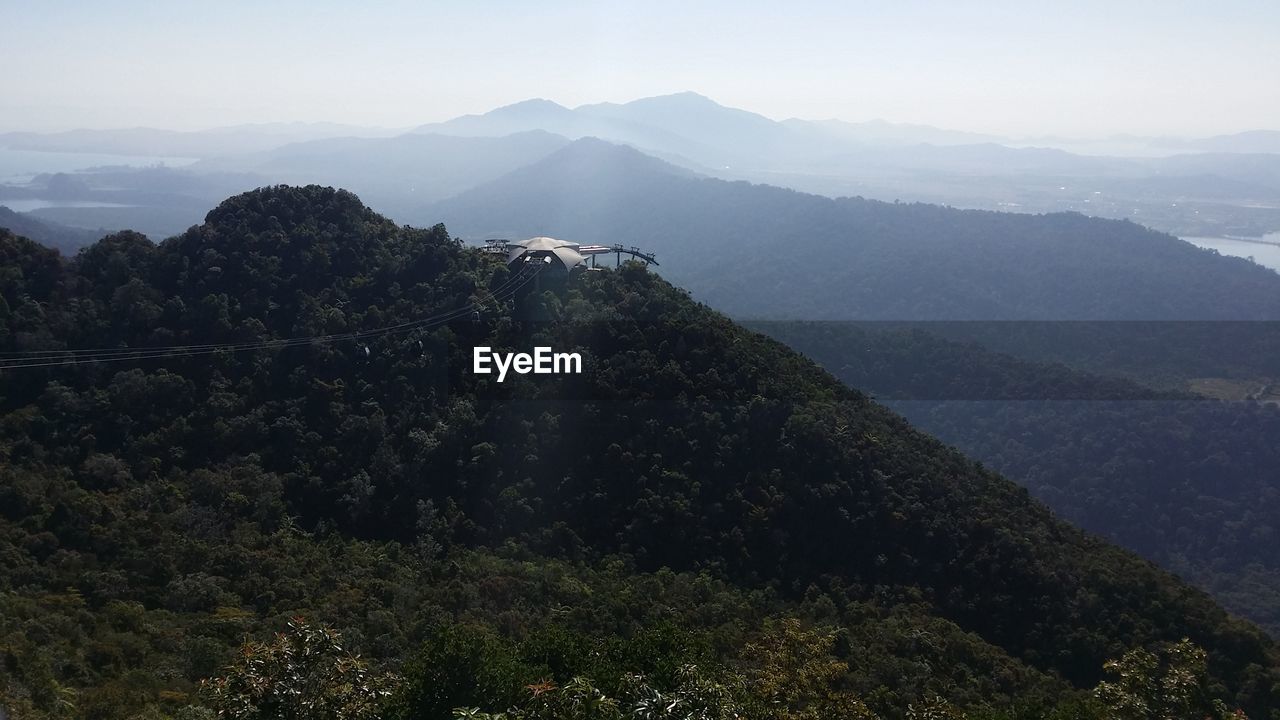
154, 511
917, 361
764, 252
1172, 355
59, 237
1187, 482
1191, 485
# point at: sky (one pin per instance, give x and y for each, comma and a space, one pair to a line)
1085, 68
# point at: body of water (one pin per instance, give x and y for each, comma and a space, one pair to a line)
29, 205
1266, 252
19, 166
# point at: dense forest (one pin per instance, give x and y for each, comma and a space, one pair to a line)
699, 497
762, 252
1167, 355
1185, 481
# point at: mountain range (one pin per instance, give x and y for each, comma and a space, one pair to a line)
653, 121
1208, 187
766, 252
693, 130
696, 476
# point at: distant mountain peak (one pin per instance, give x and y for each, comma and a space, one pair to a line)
686, 96
538, 104
531, 114
601, 154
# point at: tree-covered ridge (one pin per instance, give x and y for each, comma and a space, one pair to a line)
911, 361
1171, 355
1187, 482
152, 504
59, 237
756, 251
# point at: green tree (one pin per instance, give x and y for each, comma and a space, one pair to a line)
795, 673
696, 697
1170, 684
303, 674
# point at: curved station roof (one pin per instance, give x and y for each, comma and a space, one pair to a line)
566, 253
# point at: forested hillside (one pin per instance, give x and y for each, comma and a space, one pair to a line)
1158, 354
764, 252
1187, 482
60, 237
155, 511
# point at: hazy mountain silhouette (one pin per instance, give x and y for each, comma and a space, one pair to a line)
1250, 141
198, 144
550, 117
760, 251
1225, 192
399, 174
1195, 195
881, 132
63, 238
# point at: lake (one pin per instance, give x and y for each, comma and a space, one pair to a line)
1264, 253
19, 166
29, 205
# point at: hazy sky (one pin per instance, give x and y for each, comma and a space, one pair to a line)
1084, 67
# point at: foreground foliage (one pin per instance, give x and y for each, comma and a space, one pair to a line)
304, 674
790, 673
1170, 684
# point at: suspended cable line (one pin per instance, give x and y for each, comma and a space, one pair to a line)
61, 358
